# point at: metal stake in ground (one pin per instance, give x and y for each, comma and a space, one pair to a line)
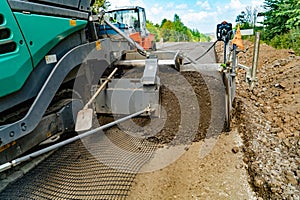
85, 116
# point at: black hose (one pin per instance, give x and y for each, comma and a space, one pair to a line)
203, 53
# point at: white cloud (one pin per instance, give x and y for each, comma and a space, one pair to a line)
205, 5
204, 15
155, 10
170, 5
182, 6
257, 4
199, 20
118, 4
235, 5
196, 16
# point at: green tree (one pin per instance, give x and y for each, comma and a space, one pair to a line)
96, 4
153, 29
282, 23
247, 18
163, 22
175, 31
178, 25
281, 16
167, 31
294, 13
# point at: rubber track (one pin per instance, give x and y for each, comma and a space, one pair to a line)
102, 166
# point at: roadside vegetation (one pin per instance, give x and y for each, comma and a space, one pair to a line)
167, 31
280, 27
176, 31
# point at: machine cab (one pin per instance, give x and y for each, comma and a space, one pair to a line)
131, 20
134, 18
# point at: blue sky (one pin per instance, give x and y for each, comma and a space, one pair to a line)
203, 15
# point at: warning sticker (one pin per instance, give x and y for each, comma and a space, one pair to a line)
98, 45
72, 22
50, 59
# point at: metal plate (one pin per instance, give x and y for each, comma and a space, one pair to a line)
84, 120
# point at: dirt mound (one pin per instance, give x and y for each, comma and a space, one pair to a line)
183, 96
268, 118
